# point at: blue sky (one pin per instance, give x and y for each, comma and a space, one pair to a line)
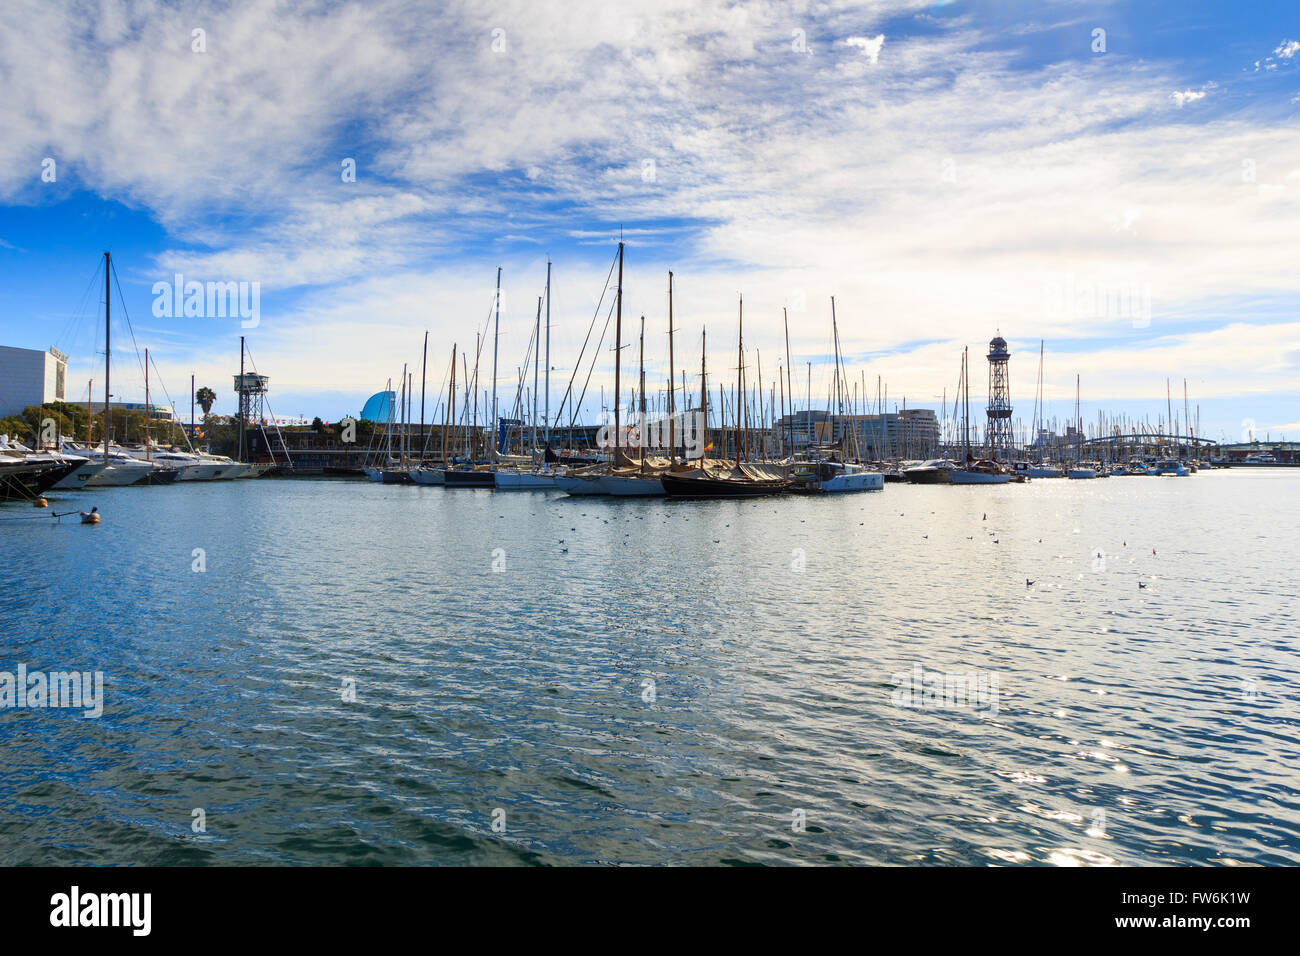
946, 170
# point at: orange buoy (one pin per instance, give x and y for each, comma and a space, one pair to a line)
40, 503
90, 517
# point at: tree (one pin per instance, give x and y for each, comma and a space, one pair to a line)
68, 421
15, 426
317, 425
205, 397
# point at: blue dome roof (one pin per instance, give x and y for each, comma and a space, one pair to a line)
378, 407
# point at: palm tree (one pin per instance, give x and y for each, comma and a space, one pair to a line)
205, 397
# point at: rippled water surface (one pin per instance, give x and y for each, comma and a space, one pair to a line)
655, 682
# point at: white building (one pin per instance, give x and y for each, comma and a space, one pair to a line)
30, 377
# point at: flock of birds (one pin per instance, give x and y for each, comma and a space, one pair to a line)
1029, 582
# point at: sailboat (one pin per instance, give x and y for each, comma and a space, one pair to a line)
586, 481
744, 479
635, 481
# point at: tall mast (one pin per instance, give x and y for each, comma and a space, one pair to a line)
781, 381
146, 403
424, 368
618, 359
474, 435
672, 407
785, 319
108, 328
451, 405
808, 407
704, 398
965, 379
536, 362
401, 444
191, 409
240, 399
740, 373
496, 338
640, 426
546, 407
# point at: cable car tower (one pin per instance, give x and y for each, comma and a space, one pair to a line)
998, 430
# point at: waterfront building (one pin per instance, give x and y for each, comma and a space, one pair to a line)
909, 433
30, 377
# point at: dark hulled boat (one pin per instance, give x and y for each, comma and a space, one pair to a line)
22, 480
687, 485
468, 478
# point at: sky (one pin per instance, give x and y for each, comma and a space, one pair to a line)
1117, 181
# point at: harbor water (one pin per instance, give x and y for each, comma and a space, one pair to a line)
339, 672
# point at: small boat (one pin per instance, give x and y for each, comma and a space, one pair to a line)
469, 478
937, 471
1171, 466
1040, 470
583, 481
631, 485
425, 475
255, 469
834, 477
391, 474
512, 480
981, 472
717, 483
1080, 471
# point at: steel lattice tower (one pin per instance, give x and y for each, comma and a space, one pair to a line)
998, 431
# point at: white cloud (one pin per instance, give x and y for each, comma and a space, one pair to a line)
1186, 96
870, 46
1287, 49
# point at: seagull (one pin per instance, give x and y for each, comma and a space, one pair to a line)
1028, 583
995, 540
1141, 585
